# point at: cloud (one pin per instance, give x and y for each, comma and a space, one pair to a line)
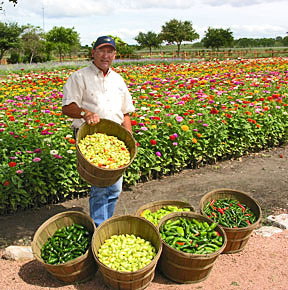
239, 3
257, 31
78, 8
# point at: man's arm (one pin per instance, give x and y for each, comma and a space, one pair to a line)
127, 123
72, 110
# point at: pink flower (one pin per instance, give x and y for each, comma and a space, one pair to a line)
179, 119
36, 159
19, 171
158, 154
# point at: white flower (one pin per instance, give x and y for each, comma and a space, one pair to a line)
53, 152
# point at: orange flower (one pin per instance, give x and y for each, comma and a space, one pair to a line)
194, 140
72, 141
185, 128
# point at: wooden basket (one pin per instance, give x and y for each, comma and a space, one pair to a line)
103, 177
156, 205
183, 267
127, 224
78, 270
237, 238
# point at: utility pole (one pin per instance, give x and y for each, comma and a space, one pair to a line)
43, 16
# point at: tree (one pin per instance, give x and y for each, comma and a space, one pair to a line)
218, 37
9, 37
63, 39
285, 40
149, 39
32, 41
2, 2
176, 31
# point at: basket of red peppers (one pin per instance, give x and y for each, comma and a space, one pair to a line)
236, 211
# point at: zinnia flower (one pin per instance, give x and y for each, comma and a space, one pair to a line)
172, 137
153, 142
36, 159
184, 127
179, 119
12, 164
158, 154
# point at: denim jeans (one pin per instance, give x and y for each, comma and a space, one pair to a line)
103, 200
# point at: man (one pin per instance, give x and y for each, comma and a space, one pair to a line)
93, 93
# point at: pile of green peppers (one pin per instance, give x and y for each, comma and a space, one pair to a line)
66, 244
191, 236
156, 216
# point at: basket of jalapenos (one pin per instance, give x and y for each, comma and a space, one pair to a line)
237, 212
62, 245
191, 244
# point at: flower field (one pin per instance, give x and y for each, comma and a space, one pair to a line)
187, 115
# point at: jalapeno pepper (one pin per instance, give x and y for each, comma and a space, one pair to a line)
191, 236
66, 244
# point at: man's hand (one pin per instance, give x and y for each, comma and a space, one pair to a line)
91, 118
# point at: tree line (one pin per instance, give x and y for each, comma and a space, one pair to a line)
29, 43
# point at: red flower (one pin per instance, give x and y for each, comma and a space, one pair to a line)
213, 111
153, 142
137, 144
6, 183
72, 141
228, 116
172, 137
12, 164
133, 122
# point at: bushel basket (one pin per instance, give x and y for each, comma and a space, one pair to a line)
94, 175
127, 224
185, 267
237, 238
81, 268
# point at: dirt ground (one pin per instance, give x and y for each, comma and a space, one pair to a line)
261, 265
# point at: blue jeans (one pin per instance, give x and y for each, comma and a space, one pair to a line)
103, 200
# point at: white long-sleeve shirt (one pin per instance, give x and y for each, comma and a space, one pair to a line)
107, 96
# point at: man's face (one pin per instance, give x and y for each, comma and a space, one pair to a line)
103, 57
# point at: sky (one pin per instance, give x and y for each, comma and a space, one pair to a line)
125, 19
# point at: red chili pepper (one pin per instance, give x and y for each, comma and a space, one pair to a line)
243, 208
213, 213
180, 243
212, 201
220, 210
248, 222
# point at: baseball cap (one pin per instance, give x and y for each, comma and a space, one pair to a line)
104, 40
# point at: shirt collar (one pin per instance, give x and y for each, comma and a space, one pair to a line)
99, 71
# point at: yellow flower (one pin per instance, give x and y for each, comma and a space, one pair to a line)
73, 148
169, 124
184, 127
154, 126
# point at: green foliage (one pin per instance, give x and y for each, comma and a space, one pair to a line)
33, 43
63, 39
218, 37
175, 31
9, 37
149, 39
